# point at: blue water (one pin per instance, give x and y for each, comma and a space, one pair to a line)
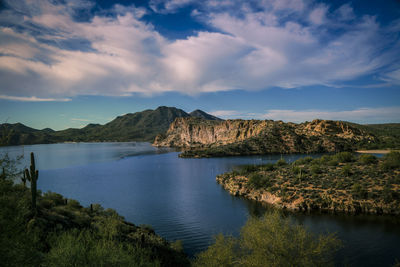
181, 200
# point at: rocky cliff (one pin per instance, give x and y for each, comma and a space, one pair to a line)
201, 137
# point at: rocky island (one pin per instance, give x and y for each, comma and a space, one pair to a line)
209, 138
333, 183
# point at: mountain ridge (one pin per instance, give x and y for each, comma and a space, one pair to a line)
139, 126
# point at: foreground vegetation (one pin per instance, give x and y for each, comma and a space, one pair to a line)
272, 240
335, 183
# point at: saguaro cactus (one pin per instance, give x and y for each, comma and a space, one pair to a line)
3, 174
23, 179
32, 175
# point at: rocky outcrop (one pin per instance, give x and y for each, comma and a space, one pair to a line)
321, 185
240, 137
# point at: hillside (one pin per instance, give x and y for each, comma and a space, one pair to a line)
335, 183
64, 233
203, 138
139, 126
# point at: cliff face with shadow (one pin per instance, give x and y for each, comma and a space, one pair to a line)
203, 138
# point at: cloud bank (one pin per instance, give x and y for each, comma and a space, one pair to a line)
361, 115
47, 53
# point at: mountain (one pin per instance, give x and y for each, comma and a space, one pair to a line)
201, 114
139, 126
205, 138
15, 134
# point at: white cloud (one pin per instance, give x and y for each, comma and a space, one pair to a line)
345, 12
393, 77
318, 15
361, 115
33, 99
121, 55
168, 6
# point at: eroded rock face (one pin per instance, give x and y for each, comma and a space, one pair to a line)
263, 136
195, 132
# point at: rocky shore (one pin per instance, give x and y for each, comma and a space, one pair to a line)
337, 184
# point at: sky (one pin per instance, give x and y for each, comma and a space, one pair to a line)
68, 63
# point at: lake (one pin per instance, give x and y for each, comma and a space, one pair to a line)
181, 200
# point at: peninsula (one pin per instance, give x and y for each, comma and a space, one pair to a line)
333, 183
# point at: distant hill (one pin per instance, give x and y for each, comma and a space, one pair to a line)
139, 126
201, 114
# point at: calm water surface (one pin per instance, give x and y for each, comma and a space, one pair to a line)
180, 198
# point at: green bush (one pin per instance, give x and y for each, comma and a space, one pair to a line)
244, 169
257, 180
367, 159
268, 167
333, 162
302, 161
391, 161
358, 191
344, 157
315, 169
85, 248
74, 204
296, 170
270, 241
281, 162
18, 247
325, 158
57, 199
346, 170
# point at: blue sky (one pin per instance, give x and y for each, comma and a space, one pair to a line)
69, 63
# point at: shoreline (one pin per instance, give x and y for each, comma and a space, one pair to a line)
340, 183
375, 151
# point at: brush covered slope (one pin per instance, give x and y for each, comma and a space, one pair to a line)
205, 138
336, 183
64, 233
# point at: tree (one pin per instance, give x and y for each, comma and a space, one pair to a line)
272, 240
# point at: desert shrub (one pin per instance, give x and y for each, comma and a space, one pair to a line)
46, 203
85, 248
315, 169
57, 199
333, 162
74, 204
302, 161
257, 180
268, 167
346, 170
325, 158
391, 161
344, 157
18, 247
247, 169
387, 194
270, 241
367, 159
296, 170
281, 162
358, 191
